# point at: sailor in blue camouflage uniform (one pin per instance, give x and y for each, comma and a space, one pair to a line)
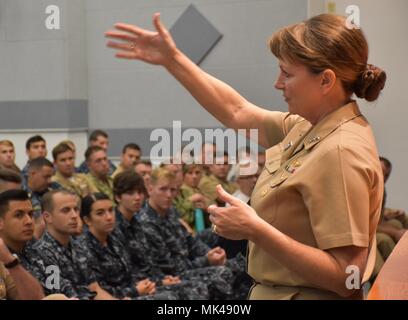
178, 252
17, 234
130, 194
37, 184
72, 264
58, 249
173, 248
109, 260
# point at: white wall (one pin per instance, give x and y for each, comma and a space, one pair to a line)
385, 24
128, 94
37, 63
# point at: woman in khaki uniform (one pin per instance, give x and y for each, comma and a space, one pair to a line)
317, 203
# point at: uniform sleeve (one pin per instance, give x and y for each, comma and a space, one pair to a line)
197, 251
337, 194
118, 291
92, 187
11, 289
277, 125
54, 282
185, 207
208, 188
158, 246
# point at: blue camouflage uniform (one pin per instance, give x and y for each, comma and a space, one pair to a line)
24, 173
179, 253
73, 263
113, 269
132, 236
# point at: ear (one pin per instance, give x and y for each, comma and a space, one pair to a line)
47, 217
328, 80
1, 224
117, 198
149, 188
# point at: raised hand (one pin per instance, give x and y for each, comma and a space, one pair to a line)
136, 43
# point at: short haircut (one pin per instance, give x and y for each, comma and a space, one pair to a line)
68, 142
128, 181
91, 150
89, 200
47, 201
132, 146
96, 134
6, 143
38, 163
161, 173
33, 140
11, 195
387, 162
60, 148
145, 162
7, 175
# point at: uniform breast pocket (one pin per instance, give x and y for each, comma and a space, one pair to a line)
278, 178
268, 194
273, 158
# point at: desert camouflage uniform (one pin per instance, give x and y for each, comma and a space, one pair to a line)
83, 168
77, 184
97, 185
186, 208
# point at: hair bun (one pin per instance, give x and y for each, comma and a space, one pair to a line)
371, 82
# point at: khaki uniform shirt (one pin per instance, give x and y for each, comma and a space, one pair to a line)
77, 183
98, 185
208, 183
118, 170
186, 208
8, 289
321, 186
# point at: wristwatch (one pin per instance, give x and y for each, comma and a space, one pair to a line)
13, 263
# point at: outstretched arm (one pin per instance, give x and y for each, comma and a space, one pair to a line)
218, 98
